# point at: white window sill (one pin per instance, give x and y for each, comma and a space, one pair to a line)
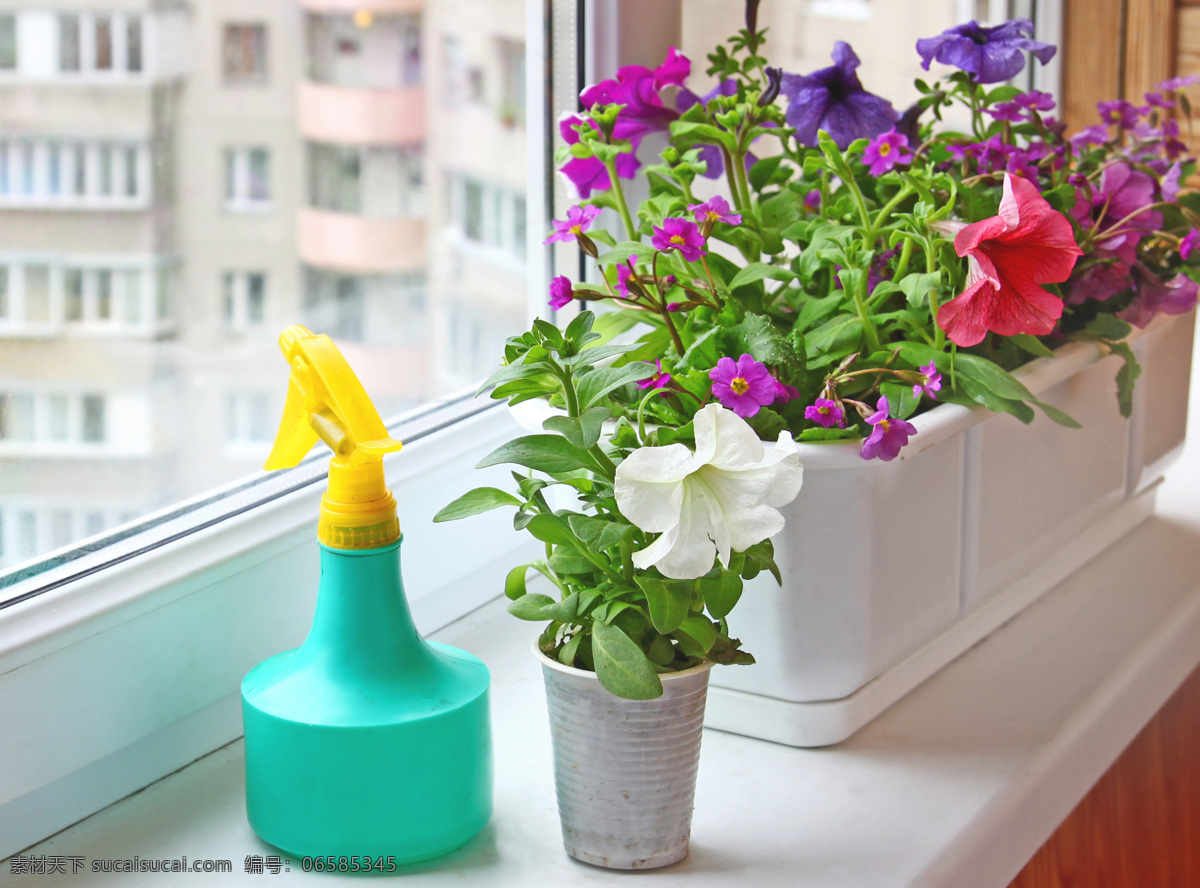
958, 784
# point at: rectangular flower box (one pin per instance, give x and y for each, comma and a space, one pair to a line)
891, 570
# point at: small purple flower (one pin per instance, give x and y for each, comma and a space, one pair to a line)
932, 384
886, 151
812, 201
1188, 245
833, 99
745, 387
1013, 112
658, 380
674, 306
888, 436
715, 210
679, 234
1173, 297
1119, 113
1097, 134
1125, 196
1036, 100
1170, 182
561, 292
826, 413
625, 270
785, 392
1158, 100
988, 54
579, 219
1177, 83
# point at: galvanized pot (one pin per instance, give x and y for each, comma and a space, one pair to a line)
625, 770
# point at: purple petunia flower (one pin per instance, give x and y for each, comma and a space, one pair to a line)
1188, 245
932, 384
885, 152
888, 436
658, 380
826, 413
1119, 113
1173, 297
579, 219
745, 387
833, 99
715, 210
1103, 278
679, 234
988, 54
1125, 196
561, 292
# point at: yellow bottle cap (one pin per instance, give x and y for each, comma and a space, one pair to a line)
326, 401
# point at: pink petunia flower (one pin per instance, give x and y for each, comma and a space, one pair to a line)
888, 436
745, 387
1010, 255
679, 234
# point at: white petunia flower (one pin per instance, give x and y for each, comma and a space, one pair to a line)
722, 498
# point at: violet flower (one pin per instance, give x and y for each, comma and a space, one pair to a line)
1010, 111
812, 201
1172, 297
888, 436
1096, 134
1187, 246
989, 55
1119, 113
833, 99
714, 210
1104, 277
1036, 100
826, 413
1175, 84
588, 174
745, 387
1125, 196
561, 292
932, 384
886, 151
679, 234
579, 219
785, 392
625, 271
658, 380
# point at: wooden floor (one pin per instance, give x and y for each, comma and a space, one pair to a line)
1139, 827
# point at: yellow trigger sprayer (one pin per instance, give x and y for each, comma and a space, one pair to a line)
367, 740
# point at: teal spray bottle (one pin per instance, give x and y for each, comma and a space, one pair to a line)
367, 740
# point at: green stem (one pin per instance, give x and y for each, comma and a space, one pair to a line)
905, 255
848, 178
939, 337
860, 303
739, 171
619, 196
877, 226
605, 465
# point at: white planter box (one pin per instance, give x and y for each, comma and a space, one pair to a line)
891, 570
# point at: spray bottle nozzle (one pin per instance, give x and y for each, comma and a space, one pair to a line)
326, 401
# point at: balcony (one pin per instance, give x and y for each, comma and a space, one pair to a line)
339, 115
346, 242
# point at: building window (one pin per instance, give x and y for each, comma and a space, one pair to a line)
488, 215
247, 179
16, 417
52, 418
367, 181
70, 52
8, 41
35, 296
250, 418
133, 43
364, 50
104, 44
244, 294
244, 53
462, 82
80, 175
366, 307
512, 81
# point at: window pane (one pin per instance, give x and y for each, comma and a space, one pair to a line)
256, 298
104, 294
132, 295
5, 310
231, 174
54, 169
131, 172
104, 41
79, 159
16, 417
259, 186
93, 418
37, 294
244, 53
58, 426
133, 43
26, 533
8, 42
94, 523
68, 43
73, 294
4, 161
28, 166
228, 281
105, 156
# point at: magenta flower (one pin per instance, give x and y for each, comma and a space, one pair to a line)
1188, 245
625, 270
1119, 113
1158, 100
826, 413
679, 234
1013, 112
658, 380
932, 384
713, 211
812, 201
561, 292
579, 219
1036, 100
888, 436
988, 54
1103, 278
785, 392
1177, 83
886, 151
587, 174
1097, 134
1173, 297
744, 387
1125, 196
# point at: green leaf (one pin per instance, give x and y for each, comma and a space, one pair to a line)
546, 453
820, 434
514, 583
667, 601
582, 431
514, 371
980, 394
551, 529
781, 210
594, 353
721, 593
534, 607
568, 652
1058, 416
900, 399
566, 560
756, 271
763, 171
1106, 326
696, 635
992, 377
621, 666
1032, 344
838, 335
1126, 376
598, 534
917, 286
758, 336
591, 387
473, 502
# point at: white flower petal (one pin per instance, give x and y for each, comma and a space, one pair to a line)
650, 505
736, 443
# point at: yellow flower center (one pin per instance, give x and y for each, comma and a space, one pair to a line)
576, 230
739, 385
713, 216
884, 424
824, 411
677, 239
885, 149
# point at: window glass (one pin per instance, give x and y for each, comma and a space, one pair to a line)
8, 41
192, 219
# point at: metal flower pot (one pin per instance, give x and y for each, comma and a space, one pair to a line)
625, 770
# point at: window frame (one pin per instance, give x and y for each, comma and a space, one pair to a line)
189, 599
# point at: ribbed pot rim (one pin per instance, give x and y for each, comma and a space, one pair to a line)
585, 674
